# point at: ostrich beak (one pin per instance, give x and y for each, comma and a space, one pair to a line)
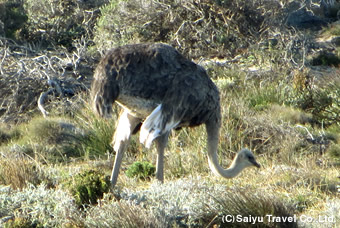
255, 163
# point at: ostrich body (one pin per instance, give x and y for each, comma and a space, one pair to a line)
159, 90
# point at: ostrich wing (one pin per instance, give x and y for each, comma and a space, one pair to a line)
190, 101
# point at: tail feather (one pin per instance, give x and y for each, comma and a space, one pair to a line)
155, 125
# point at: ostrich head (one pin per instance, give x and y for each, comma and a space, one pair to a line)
245, 158
242, 160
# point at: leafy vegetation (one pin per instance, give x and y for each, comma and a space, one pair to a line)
279, 89
13, 17
141, 170
89, 187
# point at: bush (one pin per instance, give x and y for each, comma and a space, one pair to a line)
141, 170
326, 59
203, 28
13, 16
60, 22
88, 187
37, 206
320, 97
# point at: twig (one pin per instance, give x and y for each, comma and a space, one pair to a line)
310, 135
41, 101
2, 61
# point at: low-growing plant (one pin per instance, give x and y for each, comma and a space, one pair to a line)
7, 134
18, 171
141, 170
88, 187
190, 203
326, 59
122, 214
247, 204
47, 131
51, 139
334, 151
99, 133
321, 100
38, 206
22, 223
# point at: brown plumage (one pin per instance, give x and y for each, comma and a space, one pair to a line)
160, 88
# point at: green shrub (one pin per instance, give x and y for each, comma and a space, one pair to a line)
13, 16
88, 187
262, 98
142, 170
321, 100
326, 59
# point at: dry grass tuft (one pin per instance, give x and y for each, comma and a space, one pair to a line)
18, 171
122, 214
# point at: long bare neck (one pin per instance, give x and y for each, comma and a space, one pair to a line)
213, 129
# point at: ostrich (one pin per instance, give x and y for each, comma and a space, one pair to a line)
159, 90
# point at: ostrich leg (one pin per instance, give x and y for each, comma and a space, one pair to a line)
161, 143
126, 124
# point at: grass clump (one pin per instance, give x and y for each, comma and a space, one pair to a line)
18, 171
249, 203
99, 131
141, 170
48, 131
88, 187
122, 214
51, 139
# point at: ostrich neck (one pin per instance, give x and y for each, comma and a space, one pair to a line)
213, 138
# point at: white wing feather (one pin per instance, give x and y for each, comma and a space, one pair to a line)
152, 126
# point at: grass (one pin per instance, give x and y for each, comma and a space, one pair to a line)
295, 179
